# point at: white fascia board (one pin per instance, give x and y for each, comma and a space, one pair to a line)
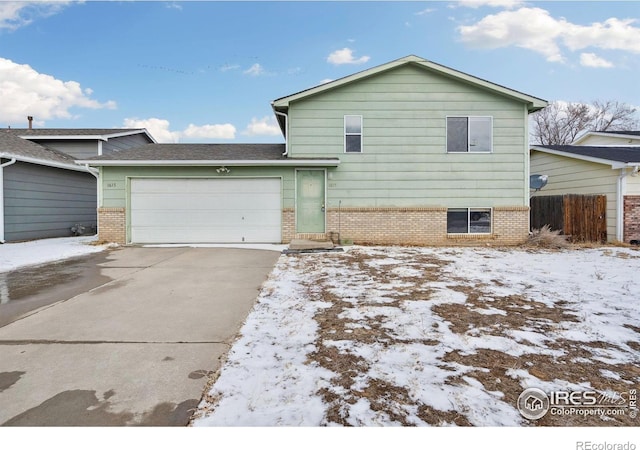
88, 137
621, 135
43, 162
214, 163
608, 162
533, 103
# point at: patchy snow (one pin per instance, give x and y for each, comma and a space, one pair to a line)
429, 336
20, 254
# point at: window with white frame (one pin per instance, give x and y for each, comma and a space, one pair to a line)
469, 220
353, 134
470, 134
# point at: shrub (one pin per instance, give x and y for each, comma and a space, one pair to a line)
545, 237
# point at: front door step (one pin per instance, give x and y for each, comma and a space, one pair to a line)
306, 244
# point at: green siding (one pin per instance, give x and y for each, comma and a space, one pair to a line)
113, 185
404, 160
573, 176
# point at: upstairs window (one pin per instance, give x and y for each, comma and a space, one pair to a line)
353, 134
473, 134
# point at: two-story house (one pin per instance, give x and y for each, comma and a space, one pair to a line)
43, 192
409, 152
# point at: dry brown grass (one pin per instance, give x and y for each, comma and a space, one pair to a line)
489, 367
547, 238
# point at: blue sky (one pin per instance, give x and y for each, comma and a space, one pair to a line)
207, 71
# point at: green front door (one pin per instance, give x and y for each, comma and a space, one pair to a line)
310, 201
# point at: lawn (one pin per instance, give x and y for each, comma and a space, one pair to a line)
388, 336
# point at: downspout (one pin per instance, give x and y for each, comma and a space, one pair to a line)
286, 131
620, 202
95, 173
2, 166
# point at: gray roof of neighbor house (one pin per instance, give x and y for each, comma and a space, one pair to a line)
204, 154
78, 133
12, 146
606, 154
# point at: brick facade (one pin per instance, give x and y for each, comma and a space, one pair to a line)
112, 225
631, 218
379, 226
411, 226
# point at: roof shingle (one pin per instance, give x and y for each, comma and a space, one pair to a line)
618, 154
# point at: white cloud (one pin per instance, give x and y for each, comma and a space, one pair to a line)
14, 15
345, 56
228, 67
326, 80
425, 12
255, 70
267, 126
26, 92
493, 3
535, 29
593, 60
158, 128
217, 131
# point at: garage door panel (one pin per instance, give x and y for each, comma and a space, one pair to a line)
246, 220
178, 210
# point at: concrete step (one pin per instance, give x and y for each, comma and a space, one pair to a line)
306, 244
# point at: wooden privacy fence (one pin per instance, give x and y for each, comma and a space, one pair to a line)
582, 217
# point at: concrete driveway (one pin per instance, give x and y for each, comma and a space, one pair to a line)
136, 350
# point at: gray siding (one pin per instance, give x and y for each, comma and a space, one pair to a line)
76, 148
124, 143
43, 202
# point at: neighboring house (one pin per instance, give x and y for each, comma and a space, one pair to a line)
44, 192
604, 163
409, 152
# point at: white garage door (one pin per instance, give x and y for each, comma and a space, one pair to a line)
204, 210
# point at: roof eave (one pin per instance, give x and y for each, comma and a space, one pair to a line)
608, 162
43, 162
533, 103
215, 163
88, 137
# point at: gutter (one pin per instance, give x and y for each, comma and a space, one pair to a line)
214, 163
286, 132
2, 166
620, 199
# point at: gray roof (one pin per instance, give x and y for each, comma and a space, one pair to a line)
14, 147
78, 132
197, 152
618, 153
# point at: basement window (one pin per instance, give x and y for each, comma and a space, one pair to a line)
469, 220
353, 134
472, 134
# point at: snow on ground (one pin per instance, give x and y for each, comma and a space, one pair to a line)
430, 336
20, 254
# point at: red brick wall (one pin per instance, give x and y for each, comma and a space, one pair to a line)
631, 218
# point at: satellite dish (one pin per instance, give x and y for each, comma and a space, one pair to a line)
537, 182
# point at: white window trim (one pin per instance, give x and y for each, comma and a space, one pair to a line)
446, 133
361, 134
469, 220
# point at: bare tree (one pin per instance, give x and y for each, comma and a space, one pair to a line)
560, 122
